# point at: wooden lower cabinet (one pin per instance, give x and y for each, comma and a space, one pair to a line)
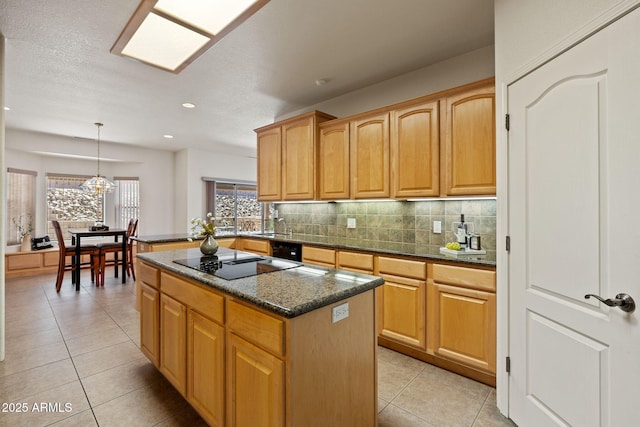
150, 322
205, 367
255, 385
319, 256
355, 261
462, 316
403, 300
239, 365
257, 246
173, 342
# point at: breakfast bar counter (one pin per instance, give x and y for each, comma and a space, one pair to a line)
294, 346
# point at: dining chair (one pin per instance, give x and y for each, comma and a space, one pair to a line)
116, 248
64, 251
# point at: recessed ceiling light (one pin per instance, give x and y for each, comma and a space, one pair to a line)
168, 136
188, 105
171, 34
7, 108
321, 82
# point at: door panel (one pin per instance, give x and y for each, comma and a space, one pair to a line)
573, 209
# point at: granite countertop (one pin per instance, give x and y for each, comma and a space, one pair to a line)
288, 293
414, 250
162, 238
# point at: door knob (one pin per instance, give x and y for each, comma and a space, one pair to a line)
624, 301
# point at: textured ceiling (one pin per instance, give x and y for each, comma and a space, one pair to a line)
61, 78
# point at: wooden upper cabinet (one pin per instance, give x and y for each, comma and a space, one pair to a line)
333, 161
369, 149
269, 164
287, 158
415, 146
298, 158
469, 161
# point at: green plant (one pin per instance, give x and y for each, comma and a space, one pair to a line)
202, 227
24, 228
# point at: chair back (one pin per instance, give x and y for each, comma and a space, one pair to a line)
133, 226
59, 236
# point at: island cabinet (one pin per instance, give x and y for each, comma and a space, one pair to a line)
287, 158
415, 150
239, 364
402, 300
191, 336
469, 148
148, 304
461, 316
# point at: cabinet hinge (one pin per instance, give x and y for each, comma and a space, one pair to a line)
508, 244
507, 124
508, 364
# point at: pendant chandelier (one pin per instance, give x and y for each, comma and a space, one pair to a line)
98, 184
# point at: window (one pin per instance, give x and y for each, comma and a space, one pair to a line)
236, 208
127, 200
21, 204
70, 205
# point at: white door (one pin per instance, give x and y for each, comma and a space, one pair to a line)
574, 223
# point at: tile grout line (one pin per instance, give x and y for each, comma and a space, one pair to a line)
72, 361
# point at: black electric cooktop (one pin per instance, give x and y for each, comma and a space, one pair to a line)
235, 266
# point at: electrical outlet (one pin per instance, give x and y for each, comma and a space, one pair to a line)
351, 223
340, 312
275, 213
437, 227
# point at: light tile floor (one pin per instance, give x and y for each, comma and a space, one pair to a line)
72, 359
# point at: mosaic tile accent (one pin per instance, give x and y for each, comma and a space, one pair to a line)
393, 221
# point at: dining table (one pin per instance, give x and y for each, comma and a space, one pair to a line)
77, 234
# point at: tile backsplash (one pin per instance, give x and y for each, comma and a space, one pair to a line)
393, 221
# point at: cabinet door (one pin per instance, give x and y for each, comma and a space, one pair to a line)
269, 164
369, 146
149, 322
255, 386
298, 160
333, 162
205, 368
415, 146
470, 143
462, 325
173, 342
403, 312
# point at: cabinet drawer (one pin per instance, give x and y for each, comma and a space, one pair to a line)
22, 261
51, 258
355, 261
228, 242
467, 277
319, 256
175, 246
148, 275
402, 267
258, 246
204, 301
257, 327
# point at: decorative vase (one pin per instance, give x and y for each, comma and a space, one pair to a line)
209, 246
26, 243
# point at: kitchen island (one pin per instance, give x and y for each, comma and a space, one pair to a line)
291, 347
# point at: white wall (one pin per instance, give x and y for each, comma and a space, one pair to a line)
153, 167
191, 166
528, 33
462, 69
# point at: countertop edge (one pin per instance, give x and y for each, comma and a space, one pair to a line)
300, 309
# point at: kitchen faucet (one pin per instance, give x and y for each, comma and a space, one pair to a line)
285, 230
